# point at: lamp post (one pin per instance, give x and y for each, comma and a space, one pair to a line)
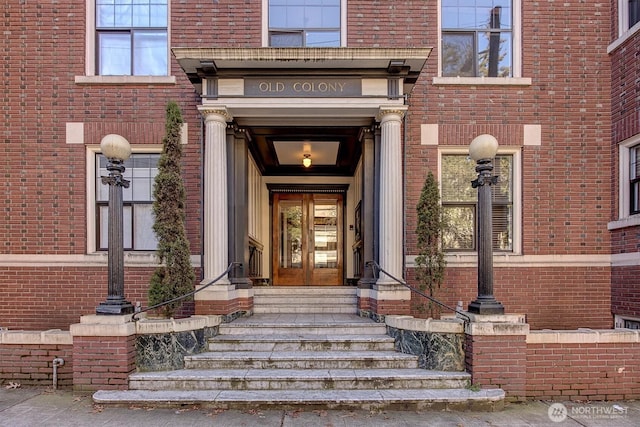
116, 149
483, 149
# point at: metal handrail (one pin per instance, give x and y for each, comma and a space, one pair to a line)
417, 291
162, 304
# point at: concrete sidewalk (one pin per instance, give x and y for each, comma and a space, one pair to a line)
42, 408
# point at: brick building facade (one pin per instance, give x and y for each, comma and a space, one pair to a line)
557, 88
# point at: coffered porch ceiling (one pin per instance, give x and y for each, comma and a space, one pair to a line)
282, 129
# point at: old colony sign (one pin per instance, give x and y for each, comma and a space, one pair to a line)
302, 87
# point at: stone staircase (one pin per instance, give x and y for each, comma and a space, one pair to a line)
305, 299
330, 361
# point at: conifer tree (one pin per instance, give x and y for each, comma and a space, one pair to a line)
430, 262
174, 276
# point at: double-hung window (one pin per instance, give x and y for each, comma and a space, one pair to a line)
477, 38
629, 13
304, 23
628, 184
141, 169
131, 37
634, 179
460, 203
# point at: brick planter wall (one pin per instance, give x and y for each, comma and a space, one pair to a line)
583, 365
32, 364
103, 363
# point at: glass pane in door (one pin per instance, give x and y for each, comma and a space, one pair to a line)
325, 233
290, 218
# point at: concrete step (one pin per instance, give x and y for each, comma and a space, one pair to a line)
294, 379
274, 328
299, 291
304, 360
368, 399
308, 300
305, 299
301, 342
301, 360
303, 308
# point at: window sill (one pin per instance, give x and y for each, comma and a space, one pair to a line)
483, 81
631, 221
125, 80
623, 38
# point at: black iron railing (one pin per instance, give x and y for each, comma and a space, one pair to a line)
376, 267
190, 294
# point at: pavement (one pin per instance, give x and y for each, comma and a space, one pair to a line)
38, 407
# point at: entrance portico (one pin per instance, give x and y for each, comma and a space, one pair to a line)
263, 107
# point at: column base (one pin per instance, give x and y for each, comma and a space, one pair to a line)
115, 308
485, 306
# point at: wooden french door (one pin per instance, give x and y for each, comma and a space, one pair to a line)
307, 239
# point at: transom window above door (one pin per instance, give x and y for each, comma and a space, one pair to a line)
304, 23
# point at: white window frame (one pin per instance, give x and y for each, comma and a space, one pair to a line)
623, 19
619, 321
625, 219
91, 151
516, 79
624, 33
516, 154
91, 77
343, 23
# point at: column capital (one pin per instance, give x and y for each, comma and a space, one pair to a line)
217, 113
390, 113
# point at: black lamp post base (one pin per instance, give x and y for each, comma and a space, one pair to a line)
123, 307
490, 306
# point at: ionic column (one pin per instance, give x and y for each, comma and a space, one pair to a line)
391, 220
216, 222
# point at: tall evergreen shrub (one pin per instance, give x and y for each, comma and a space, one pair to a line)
174, 276
430, 262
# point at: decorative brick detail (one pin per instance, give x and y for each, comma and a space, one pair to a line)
32, 364
103, 363
498, 361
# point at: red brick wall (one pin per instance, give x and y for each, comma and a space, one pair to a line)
625, 291
44, 207
54, 298
389, 23
551, 297
562, 213
364, 304
624, 89
625, 124
103, 363
495, 361
32, 365
592, 371
45, 202
204, 307
384, 307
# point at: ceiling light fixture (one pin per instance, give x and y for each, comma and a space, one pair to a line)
306, 160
